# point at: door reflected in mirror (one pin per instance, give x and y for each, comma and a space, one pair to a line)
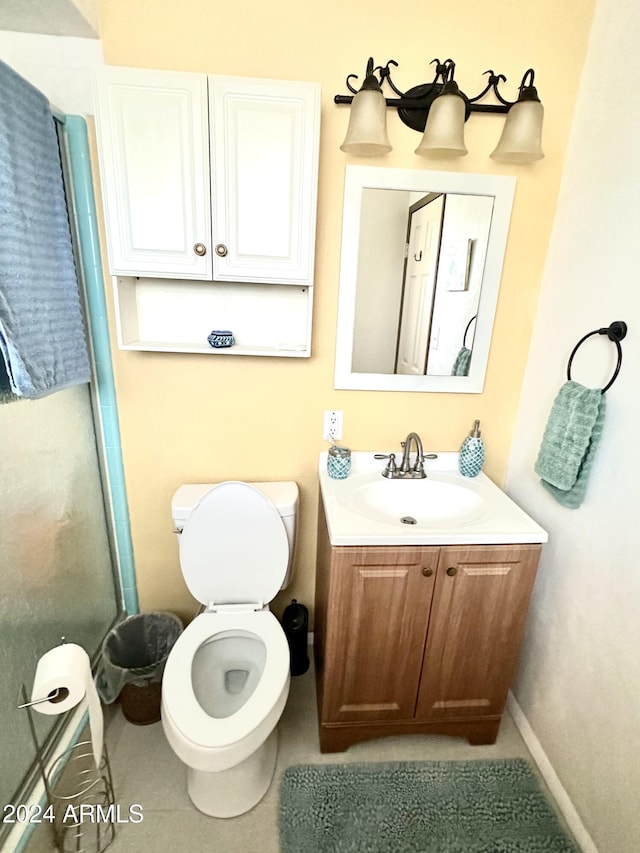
421, 262
426, 272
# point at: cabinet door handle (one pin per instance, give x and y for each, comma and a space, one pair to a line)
221, 250
451, 571
200, 249
427, 572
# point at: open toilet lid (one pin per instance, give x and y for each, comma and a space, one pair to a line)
234, 547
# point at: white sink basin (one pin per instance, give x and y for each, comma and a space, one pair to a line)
443, 509
434, 502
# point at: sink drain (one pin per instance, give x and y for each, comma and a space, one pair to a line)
408, 519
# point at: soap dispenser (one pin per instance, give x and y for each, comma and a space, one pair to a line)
471, 456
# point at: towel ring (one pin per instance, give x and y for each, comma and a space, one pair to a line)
615, 332
464, 337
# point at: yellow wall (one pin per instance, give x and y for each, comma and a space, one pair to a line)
185, 418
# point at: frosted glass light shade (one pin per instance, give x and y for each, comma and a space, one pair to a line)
443, 136
367, 130
521, 139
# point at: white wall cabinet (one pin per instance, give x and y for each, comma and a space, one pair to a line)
153, 143
208, 179
264, 149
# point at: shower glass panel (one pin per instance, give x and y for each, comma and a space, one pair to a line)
55, 556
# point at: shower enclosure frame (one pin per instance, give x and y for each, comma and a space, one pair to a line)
76, 167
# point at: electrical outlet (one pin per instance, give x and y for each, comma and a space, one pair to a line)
332, 428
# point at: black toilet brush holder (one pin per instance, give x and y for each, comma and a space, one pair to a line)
295, 622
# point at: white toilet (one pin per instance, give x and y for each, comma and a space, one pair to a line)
226, 680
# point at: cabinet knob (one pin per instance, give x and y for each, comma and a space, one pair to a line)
451, 571
221, 250
427, 572
200, 249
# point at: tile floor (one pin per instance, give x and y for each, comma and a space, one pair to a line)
146, 772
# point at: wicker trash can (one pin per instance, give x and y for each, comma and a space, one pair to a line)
141, 703
134, 655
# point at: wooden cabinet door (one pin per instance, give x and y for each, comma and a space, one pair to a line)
478, 619
378, 613
153, 140
264, 161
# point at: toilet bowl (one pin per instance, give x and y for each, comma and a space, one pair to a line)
226, 680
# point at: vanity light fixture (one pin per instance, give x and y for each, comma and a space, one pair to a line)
439, 110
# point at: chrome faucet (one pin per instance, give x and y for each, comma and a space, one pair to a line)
406, 471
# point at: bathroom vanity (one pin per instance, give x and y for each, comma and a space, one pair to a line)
418, 626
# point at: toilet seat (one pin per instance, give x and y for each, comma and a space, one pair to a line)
234, 547
179, 700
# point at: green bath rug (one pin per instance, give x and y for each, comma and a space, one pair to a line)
418, 807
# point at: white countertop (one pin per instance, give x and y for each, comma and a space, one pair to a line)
498, 521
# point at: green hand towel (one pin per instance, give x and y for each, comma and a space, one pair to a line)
570, 438
462, 362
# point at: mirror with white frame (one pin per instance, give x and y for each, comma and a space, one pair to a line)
420, 271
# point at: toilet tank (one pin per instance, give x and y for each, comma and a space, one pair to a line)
283, 495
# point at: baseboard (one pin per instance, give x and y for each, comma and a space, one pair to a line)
550, 776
